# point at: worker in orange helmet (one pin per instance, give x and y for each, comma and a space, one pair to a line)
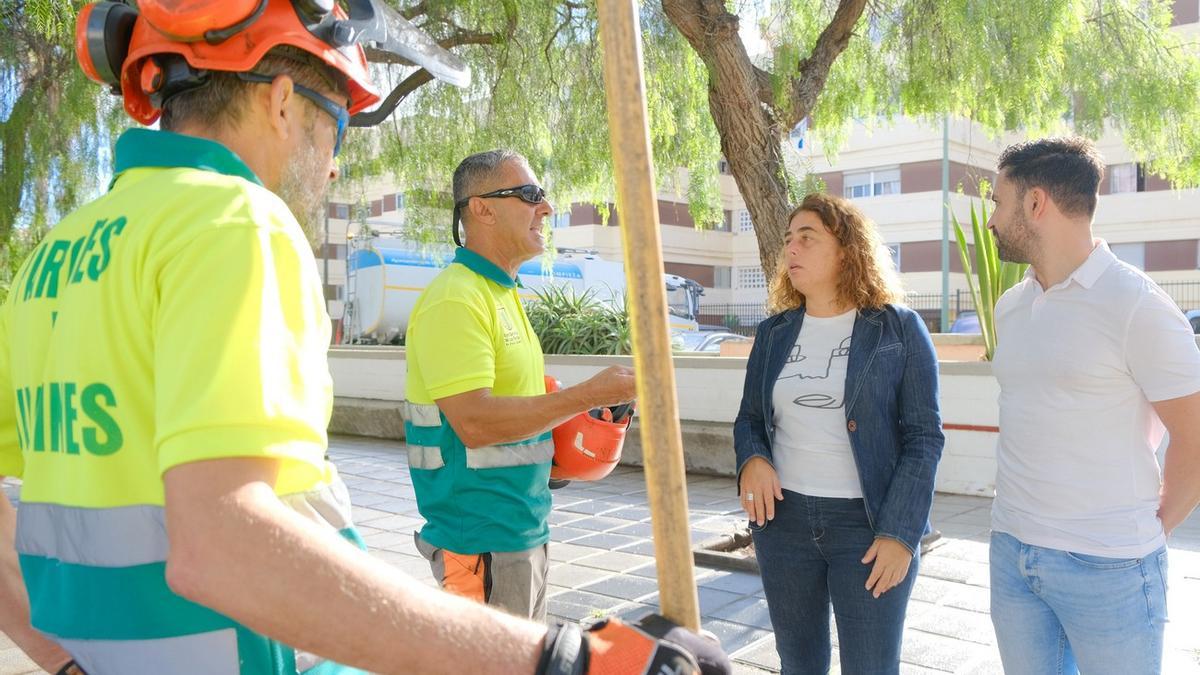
164, 389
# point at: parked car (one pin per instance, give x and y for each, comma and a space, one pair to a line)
1193, 317
965, 322
703, 341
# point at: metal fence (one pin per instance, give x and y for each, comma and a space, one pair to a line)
744, 317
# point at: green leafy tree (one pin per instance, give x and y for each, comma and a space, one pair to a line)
56, 126
1037, 65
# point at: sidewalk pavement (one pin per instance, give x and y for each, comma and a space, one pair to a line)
602, 563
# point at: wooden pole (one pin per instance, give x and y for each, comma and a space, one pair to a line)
637, 206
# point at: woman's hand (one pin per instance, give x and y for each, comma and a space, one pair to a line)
891, 565
760, 488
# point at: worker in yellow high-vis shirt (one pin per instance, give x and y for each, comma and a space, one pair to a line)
164, 390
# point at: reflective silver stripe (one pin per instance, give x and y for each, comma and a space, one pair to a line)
114, 537
424, 415
124, 536
328, 504
214, 653
424, 457
522, 454
306, 661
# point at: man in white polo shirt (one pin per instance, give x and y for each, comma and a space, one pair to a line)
1094, 360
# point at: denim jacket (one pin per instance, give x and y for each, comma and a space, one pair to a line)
892, 415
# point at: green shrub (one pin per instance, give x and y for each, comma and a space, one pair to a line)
567, 323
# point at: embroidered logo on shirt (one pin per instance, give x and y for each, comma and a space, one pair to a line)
512, 336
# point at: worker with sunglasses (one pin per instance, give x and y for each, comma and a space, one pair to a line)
164, 389
479, 419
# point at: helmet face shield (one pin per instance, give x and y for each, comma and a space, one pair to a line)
119, 45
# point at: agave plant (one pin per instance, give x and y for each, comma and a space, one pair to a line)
570, 323
990, 276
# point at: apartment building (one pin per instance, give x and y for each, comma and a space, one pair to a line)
893, 171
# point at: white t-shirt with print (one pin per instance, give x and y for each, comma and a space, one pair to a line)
811, 449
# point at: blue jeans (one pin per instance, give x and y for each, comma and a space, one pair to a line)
810, 556
1060, 613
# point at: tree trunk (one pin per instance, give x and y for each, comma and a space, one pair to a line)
750, 140
743, 106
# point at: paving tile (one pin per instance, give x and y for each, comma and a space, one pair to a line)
639, 529
563, 517
742, 583
567, 533
750, 611
595, 605
622, 586
959, 571
605, 541
574, 576
956, 623
615, 561
599, 523
635, 513
710, 599
642, 547
593, 507
563, 552
934, 651
733, 636
760, 654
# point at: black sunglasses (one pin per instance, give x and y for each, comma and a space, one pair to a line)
337, 112
530, 194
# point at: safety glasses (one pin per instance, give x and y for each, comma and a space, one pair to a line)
337, 112
529, 193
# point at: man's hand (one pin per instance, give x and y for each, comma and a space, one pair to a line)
612, 386
759, 487
891, 565
652, 645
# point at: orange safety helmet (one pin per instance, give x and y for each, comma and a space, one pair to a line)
586, 448
163, 47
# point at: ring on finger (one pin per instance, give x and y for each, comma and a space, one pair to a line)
749, 496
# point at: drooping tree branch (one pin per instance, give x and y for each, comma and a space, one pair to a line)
812, 71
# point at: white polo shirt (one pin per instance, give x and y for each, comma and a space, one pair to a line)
1079, 365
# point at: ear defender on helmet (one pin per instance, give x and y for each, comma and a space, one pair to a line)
102, 32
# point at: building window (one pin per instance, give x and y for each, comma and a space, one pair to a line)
723, 166
560, 219
751, 277
1134, 254
744, 223
341, 211
871, 183
399, 201
894, 251
722, 276
1127, 177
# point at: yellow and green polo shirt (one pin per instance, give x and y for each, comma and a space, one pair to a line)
177, 318
469, 331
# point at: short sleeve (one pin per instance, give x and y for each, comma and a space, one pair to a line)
454, 349
1160, 349
241, 336
11, 461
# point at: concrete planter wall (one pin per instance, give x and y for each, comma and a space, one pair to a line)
369, 386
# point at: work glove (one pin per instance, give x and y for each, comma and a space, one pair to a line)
612, 647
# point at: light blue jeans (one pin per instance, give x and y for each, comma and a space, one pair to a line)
1059, 613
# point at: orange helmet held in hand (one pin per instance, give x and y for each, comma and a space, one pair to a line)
587, 447
160, 48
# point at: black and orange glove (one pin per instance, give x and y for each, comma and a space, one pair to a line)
612, 647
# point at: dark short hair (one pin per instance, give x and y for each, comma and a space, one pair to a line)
1068, 167
219, 102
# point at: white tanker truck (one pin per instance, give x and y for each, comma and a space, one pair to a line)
385, 276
